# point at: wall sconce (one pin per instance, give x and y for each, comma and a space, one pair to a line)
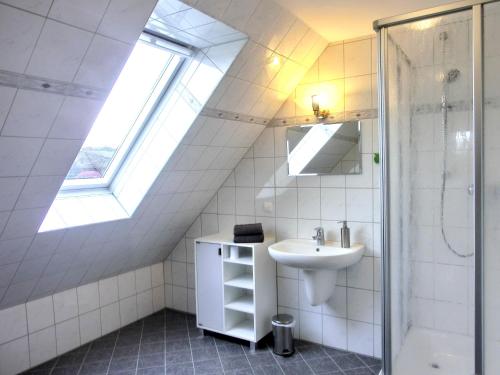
316, 106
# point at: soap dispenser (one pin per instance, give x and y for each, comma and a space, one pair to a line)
345, 235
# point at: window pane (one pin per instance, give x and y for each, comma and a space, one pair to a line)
121, 118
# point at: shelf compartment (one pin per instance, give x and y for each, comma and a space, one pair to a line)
244, 281
241, 255
244, 304
243, 330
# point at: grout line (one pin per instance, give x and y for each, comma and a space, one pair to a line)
54, 365
275, 360
190, 347
140, 345
307, 364
84, 357
165, 338
9, 110
113, 352
334, 361
218, 355
28, 333
246, 356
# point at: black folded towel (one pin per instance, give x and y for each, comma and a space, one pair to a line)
248, 229
252, 238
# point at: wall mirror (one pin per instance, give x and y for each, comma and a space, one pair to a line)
324, 149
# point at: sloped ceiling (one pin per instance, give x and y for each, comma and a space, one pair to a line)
338, 20
80, 48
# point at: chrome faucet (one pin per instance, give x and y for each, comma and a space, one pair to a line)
320, 236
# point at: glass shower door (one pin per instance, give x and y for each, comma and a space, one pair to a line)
430, 201
491, 219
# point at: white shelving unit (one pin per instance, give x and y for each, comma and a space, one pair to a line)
235, 292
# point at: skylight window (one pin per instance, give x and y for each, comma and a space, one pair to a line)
159, 94
142, 83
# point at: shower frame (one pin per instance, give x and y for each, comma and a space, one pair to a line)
381, 27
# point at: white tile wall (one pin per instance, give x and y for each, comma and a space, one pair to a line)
88, 45
40, 314
29, 335
42, 345
291, 207
65, 255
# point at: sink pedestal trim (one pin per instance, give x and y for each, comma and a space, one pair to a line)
319, 285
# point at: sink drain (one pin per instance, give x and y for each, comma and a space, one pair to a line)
435, 365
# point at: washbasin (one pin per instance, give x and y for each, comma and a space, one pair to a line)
320, 263
306, 254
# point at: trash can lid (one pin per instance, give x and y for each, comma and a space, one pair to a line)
283, 319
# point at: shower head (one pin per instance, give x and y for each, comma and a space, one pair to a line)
451, 76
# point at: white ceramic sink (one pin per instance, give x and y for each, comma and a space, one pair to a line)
306, 254
320, 263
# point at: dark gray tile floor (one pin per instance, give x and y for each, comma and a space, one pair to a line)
168, 342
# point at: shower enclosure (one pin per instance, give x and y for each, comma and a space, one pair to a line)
439, 103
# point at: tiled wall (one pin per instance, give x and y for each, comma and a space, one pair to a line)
345, 77
41, 132
34, 265
41, 329
259, 190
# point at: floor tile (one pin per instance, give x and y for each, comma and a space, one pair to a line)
246, 371
332, 352
126, 351
230, 350
177, 345
94, 368
169, 343
152, 347
178, 357
322, 365
348, 362
151, 371
65, 370
267, 370
204, 353
208, 365
99, 355
296, 368
123, 364
312, 351
179, 369
153, 337
358, 371
369, 361
70, 360
261, 359
202, 341
235, 363
151, 360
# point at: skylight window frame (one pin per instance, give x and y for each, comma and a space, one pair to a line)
143, 120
